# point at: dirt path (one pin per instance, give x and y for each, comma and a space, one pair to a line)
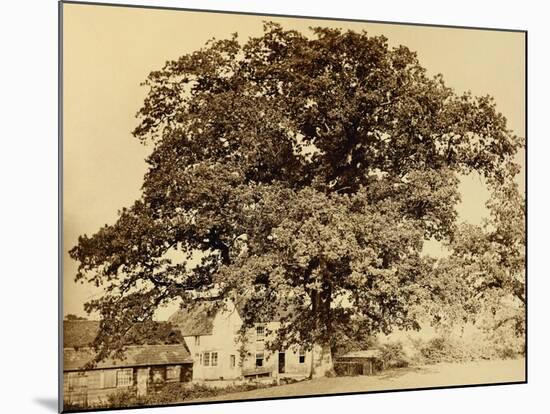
484, 372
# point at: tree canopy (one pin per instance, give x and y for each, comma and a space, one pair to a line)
306, 172
487, 264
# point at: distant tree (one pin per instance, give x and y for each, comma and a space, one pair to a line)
73, 317
305, 172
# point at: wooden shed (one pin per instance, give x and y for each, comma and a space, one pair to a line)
367, 362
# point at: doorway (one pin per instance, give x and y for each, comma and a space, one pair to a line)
142, 381
281, 362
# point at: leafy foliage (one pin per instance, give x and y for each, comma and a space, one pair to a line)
166, 394
354, 338
485, 273
444, 349
176, 393
305, 173
393, 355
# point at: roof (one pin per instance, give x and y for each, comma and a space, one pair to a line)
79, 333
195, 320
82, 333
133, 356
371, 353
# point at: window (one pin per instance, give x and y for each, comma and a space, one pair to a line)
197, 340
173, 373
124, 377
260, 359
302, 356
199, 357
260, 333
210, 359
158, 375
232, 361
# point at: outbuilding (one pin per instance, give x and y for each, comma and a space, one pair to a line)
367, 362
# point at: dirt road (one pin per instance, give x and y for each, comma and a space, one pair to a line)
483, 372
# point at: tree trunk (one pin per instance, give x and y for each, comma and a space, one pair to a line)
321, 361
315, 299
321, 353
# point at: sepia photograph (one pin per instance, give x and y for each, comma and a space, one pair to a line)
265, 206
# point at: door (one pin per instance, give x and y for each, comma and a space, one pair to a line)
142, 381
76, 389
281, 362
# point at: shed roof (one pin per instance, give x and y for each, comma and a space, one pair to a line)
370, 353
133, 356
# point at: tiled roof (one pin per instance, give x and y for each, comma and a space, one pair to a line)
77, 334
82, 333
195, 320
133, 356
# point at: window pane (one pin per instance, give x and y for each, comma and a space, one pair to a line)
124, 377
173, 373
158, 374
259, 360
260, 333
214, 359
206, 359
232, 361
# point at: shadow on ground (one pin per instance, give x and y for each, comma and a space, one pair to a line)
399, 372
49, 403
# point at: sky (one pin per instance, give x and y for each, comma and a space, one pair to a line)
108, 51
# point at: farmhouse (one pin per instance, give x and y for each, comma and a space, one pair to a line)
141, 369
219, 352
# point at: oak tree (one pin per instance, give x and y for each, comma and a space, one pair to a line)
299, 175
